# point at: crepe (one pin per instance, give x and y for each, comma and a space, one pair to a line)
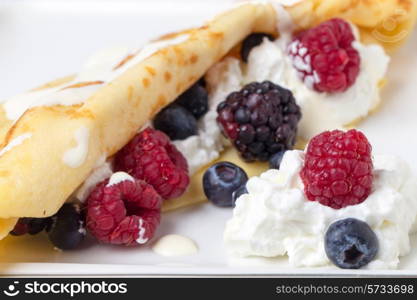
49, 150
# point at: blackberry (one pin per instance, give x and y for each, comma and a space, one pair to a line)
251, 41
261, 120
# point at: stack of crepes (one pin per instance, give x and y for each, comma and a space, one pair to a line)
50, 147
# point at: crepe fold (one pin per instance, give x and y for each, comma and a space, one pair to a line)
50, 150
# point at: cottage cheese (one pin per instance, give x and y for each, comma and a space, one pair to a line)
222, 79
275, 218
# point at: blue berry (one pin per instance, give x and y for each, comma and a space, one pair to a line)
31, 226
239, 192
67, 227
350, 243
195, 100
275, 160
221, 180
250, 42
176, 122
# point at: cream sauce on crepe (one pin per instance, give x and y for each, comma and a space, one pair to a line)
99, 70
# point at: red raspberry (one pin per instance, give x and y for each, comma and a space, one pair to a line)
126, 213
325, 58
150, 156
338, 168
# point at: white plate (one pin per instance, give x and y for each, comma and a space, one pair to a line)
44, 40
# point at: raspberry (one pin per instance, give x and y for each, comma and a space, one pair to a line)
338, 168
261, 120
126, 213
150, 156
325, 58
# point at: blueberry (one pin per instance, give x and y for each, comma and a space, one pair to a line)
67, 227
221, 180
350, 243
31, 226
195, 100
251, 41
275, 160
239, 192
177, 122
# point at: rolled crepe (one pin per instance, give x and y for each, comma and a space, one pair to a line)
52, 140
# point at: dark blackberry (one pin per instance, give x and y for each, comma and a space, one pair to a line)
251, 41
261, 120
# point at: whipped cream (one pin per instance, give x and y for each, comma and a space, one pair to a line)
100, 69
15, 142
118, 177
76, 156
275, 218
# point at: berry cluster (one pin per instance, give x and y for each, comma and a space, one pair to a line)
128, 212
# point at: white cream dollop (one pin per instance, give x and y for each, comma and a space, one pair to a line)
175, 245
76, 156
275, 218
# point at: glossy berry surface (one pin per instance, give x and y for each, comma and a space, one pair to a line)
127, 213
30, 226
238, 192
275, 160
250, 42
221, 180
338, 169
350, 243
260, 120
67, 227
176, 122
195, 100
325, 57
150, 156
